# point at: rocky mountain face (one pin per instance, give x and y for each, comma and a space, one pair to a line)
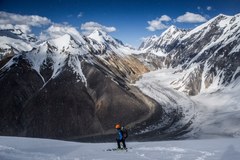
69, 87
209, 54
116, 56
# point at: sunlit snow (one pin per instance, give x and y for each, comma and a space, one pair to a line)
13, 148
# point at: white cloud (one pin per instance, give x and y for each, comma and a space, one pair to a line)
23, 22
165, 18
57, 30
23, 28
157, 23
209, 8
89, 27
191, 18
17, 19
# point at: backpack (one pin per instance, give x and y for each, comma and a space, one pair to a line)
124, 132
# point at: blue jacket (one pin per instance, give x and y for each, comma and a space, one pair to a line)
119, 134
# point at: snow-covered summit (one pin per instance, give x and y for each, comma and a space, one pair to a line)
67, 43
147, 42
100, 36
170, 30
169, 37
61, 42
103, 43
164, 43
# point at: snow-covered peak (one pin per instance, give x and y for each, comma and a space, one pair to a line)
101, 37
58, 31
220, 15
172, 33
97, 36
148, 42
68, 44
171, 30
62, 42
60, 52
97, 33
104, 43
159, 45
151, 39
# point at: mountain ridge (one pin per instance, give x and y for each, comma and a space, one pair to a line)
208, 47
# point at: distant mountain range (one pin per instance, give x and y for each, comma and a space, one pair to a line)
210, 52
73, 86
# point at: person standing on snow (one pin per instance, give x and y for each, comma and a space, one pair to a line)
120, 137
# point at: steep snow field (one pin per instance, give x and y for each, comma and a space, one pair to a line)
219, 111
215, 113
13, 148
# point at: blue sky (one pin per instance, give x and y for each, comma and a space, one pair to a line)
127, 20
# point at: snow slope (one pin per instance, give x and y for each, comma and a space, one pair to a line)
59, 51
13, 148
13, 41
219, 112
7, 44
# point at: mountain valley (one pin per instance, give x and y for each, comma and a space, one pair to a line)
75, 87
